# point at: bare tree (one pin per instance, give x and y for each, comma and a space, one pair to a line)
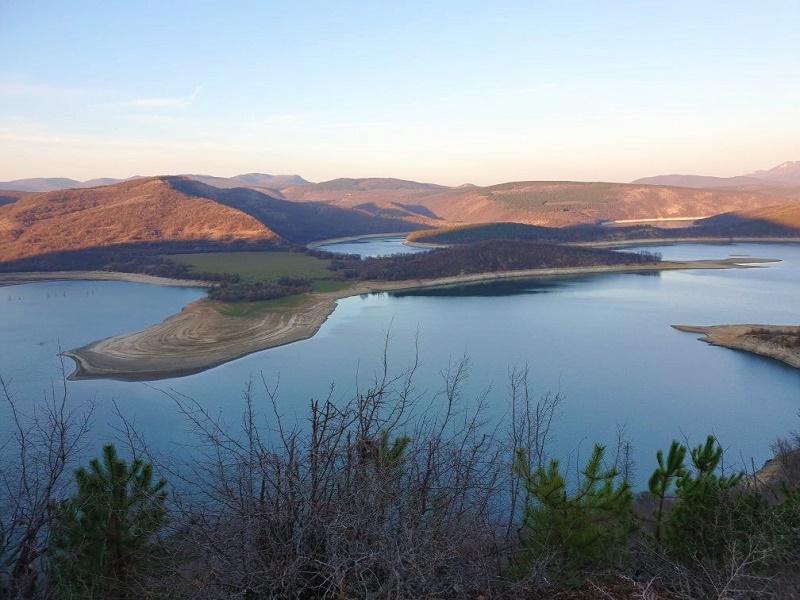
35, 472
390, 494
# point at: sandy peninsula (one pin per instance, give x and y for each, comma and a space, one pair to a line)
201, 336
772, 341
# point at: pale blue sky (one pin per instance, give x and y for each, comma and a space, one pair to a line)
441, 91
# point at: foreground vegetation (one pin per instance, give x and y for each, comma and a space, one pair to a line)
387, 495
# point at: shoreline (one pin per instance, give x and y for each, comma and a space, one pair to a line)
739, 337
689, 240
355, 238
200, 337
24, 277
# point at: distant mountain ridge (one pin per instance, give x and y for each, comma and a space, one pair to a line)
255, 180
785, 174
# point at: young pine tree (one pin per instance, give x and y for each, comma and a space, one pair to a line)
103, 534
582, 531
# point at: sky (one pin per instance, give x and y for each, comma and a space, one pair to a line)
441, 91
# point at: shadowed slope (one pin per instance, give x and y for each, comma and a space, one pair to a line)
299, 222
785, 215
134, 212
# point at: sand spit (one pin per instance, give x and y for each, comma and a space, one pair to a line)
741, 337
201, 337
195, 339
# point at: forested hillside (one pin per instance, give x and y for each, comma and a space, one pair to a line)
135, 212
483, 257
765, 223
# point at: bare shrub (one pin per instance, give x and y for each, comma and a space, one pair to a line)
388, 495
35, 471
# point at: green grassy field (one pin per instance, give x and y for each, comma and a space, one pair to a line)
257, 267
254, 309
554, 197
263, 267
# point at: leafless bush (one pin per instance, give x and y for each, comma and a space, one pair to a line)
786, 453
36, 461
743, 574
388, 495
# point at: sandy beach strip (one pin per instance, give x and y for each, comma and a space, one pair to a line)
201, 337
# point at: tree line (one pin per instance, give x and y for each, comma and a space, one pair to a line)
716, 227
143, 258
483, 257
256, 292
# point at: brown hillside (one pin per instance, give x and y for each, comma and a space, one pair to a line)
541, 203
787, 215
144, 210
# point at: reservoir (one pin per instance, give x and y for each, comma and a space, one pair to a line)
603, 342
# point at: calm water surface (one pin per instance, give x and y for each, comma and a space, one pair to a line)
602, 341
376, 246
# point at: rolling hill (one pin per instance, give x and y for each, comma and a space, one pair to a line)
134, 212
252, 180
173, 209
299, 223
784, 175
52, 184
257, 181
550, 203
168, 210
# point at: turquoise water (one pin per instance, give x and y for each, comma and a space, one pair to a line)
602, 341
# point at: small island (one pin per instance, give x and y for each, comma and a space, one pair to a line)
779, 342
